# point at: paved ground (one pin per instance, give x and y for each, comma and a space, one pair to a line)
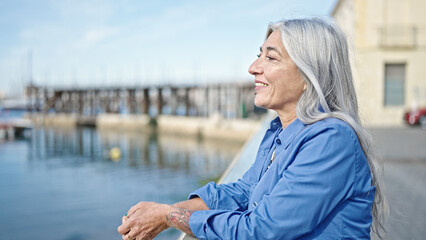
404, 154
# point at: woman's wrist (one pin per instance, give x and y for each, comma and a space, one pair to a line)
193, 204
167, 209
178, 218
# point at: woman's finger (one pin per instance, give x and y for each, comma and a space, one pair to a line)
129, 236
133, 209
124, 228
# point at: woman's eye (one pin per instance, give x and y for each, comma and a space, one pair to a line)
267, 56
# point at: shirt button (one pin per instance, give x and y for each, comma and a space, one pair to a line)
278, 141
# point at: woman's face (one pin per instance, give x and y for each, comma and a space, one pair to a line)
278, 83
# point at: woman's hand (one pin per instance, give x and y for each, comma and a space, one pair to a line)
145, 220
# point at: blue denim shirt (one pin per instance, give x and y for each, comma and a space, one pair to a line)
318, 187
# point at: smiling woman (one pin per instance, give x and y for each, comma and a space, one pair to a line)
314, 177
278, 81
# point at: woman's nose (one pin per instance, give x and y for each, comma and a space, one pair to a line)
255, 68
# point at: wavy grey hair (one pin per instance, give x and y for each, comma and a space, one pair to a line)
320, 51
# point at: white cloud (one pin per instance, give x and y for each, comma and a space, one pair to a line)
92, 10
96, 36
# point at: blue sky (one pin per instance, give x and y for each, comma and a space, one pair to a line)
129, 42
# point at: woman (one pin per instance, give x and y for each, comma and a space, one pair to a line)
314, 177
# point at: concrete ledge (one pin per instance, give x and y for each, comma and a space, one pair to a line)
36, 119
181, 125
117, 121
235, 129
60, 120
214, 127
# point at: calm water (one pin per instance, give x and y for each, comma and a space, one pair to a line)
62, 184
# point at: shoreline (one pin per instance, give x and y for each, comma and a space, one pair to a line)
214, 127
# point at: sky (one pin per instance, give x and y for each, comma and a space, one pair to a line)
136, 43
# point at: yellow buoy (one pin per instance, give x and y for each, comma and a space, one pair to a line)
115, 154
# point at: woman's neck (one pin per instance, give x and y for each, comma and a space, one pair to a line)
286, 119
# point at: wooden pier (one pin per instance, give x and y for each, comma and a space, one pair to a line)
231, 100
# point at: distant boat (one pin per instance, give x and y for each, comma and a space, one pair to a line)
13, 124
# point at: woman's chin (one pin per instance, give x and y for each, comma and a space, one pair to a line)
260, 104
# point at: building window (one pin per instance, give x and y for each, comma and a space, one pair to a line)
394, 84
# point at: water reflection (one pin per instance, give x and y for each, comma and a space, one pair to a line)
70, 146
63, 183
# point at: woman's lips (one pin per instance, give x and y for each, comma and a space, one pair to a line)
260, 85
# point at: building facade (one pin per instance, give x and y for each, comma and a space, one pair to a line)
387, 39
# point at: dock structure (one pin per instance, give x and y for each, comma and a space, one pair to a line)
14, 128
231, 100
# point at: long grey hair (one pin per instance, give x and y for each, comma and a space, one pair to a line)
320, 51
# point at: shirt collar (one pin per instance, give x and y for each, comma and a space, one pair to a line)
290, 132
275, 124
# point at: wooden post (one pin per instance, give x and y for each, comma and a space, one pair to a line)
146, 102
59, 103
206, 102
173, 101
197, 101
107, 101
116, 101
219, 99
80, 103
139, 101
92, 101
68, 101
45, 100
64, 101
186, 99
131, 105
159, 101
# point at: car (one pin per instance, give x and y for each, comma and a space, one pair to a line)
416, 117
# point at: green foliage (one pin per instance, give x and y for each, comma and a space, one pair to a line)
153, 122
204, 181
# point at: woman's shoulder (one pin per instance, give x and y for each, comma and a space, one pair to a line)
329, 123
337, 129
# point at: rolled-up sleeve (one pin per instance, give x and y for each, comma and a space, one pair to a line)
319, 178
231, 196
